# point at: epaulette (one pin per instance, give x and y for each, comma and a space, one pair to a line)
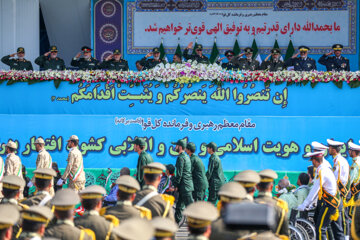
20, 201
167, 198
111, 218
103, 211
144, 212
282, 204
23, 206
87, 231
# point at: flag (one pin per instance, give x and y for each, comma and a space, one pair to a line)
289, 51
236, 48
256, 54
162, 52
214, 53
178, 50
276, 45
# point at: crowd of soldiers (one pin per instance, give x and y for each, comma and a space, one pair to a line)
142, 213
273, 62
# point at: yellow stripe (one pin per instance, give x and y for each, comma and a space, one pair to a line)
248, 184
30, 217
64, 208
344, 223
283, 212
10, 186
4, 226
353, 227
127, 189
82, 233
42, 176
196, 223
152, 170
266, 180
322, 222
109, 231
91, 196
163, 234
168, 204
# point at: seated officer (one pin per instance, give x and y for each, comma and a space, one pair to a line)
134, 229
248, 179
229, 55
91, 200
152, 62
198, 56
50, 60
335, 63
274, 63
199, 217
303, 63
9, 216
115, 62
248, 63
19, 63
177, 58
43, 183
165, 229
87, 62
64, 203
34, 221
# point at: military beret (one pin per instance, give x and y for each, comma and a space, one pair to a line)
275, 51
156, 50
154, 168
304, 48
73, 138
164, 227
199, 47
180, 142
9, 215
229, 52
212, 145
13, 182
200, 214
39, 141
127, 184
53, 49
334, 143
117, 51
268, 175
138, 141
353, 146
134, 229
248, 50
231, 192
20, 50
11, 144
92, 192
44, 173
191, 146
86, 49
318, 146
337, 47
247, 178
40, 214
65, 199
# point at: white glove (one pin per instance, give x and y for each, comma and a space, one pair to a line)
60, 182
30, 184
301, 208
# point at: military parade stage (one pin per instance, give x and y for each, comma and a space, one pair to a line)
256, 125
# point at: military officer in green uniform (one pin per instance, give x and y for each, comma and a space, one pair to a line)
43, 182
165, 229
134, 229
198, 56
214, 174
148, 197
19, 63
272, 62
152, 62
248, 63
87, 62
231, 192
199, 217
229, 55
64, 203
335, 63
9, 216
11, 190
248, 179
91, 200
50, 60
114, 62
124, 208
143, 160
265, 197
198, 173
34, 221
183, 181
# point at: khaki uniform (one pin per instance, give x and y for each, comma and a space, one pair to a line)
92, 220
41, 198
157, 205
29, 236
122, 210
65, 230
219, 231
13, 165
44, 160
75, 170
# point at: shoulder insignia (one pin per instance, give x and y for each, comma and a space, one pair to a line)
103, 211
144, 212
111, 218
89, 232
168, 198
282, 204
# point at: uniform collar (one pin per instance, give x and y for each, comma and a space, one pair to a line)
66, 221
9, 154
125, 203
10, 200
150, 187
30, 235
198, 237
265, 194
43, 192
41, 150
91, 213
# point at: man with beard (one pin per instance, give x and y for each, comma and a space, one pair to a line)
303, 63
114, 62
229, 55
248, 63
143, 160
198, 56
335, 63
214, 174
50, 60
274, 63
87, 62
19, 63
152, 62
